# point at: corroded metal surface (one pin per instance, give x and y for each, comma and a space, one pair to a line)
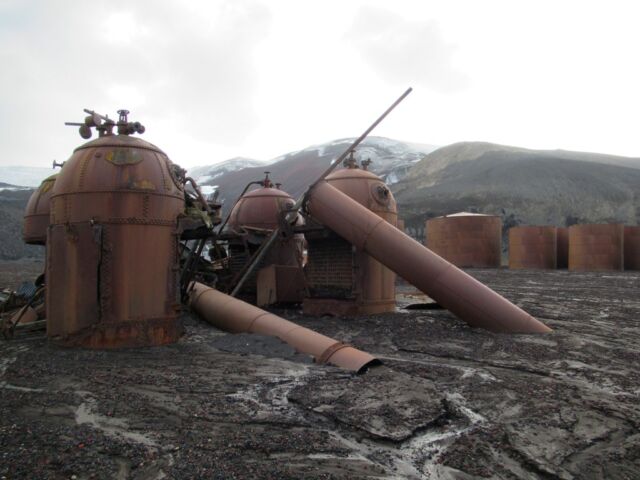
596, 247
254, 216
562, 249
466, 240
279, 284
112, 257
455, 290
532, 247
260, 209
236, 316
337, 273
632, 248
36, 215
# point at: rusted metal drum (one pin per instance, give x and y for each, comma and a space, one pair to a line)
260, 209
112, 256
255, 215
36, 215
371, 285
632, 248
466, 239
596, 247
532, 247
562, 247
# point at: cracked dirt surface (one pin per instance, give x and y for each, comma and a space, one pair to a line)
449, 402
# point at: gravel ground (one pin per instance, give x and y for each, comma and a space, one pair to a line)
449, 402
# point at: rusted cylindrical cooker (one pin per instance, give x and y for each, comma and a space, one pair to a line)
452, 288
112, 256
466, 239
256, 214
632, 248
532, 247
36, 215
259, 212
562, 248
235, 316
596, 247
260, 209
342, 280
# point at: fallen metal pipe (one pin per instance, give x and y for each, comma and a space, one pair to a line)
235, 316
452, 288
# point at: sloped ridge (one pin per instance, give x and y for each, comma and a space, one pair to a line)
523, 186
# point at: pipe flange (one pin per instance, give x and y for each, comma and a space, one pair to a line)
328, 353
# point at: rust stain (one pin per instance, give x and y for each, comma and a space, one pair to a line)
532, 247
596, 247
143, 185
466, 240
123, 156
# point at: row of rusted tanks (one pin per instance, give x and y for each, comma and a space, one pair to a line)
131, 241
475, 241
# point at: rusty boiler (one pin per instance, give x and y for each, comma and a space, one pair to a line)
257, 213
468, 240
112, 256
596, 247
36, 215
344, 279
532, 247
632, 248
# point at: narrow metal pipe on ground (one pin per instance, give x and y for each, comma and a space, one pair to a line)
452, 288
235, 316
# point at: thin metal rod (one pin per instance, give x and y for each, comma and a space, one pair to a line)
266, 245
359, 140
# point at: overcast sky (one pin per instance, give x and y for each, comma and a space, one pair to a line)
213, 80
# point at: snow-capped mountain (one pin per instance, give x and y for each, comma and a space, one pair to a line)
391, 159
207, 174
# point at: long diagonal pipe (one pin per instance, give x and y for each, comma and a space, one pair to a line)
235, 316
452, 288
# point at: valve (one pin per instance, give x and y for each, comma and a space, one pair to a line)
104, 125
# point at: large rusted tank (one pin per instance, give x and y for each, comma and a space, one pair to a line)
466, 239
254, 216
632, 248
532, 247
260, 209
36, 215
342, 279
562, 248
112, 255
594, 247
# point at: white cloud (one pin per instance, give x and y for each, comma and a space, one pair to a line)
405, 51
218, 79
